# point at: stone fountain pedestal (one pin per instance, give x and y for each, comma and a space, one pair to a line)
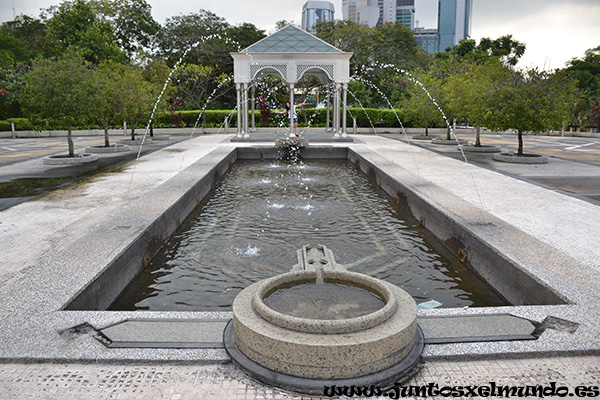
305, 354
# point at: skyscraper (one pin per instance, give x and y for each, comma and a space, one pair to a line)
454, 19
316, 11
404, 13
378, 12
454, 22
361, 11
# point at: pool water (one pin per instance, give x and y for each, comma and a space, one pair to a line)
262, 213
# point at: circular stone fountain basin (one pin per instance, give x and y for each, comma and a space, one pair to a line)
303, 352
334, 302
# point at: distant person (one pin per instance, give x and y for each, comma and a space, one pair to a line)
287, 109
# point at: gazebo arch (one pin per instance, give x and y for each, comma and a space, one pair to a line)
291, 53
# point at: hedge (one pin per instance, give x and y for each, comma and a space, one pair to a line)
312, 117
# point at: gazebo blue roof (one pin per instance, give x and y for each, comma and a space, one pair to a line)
291, 39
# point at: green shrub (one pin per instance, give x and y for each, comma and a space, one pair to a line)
21, 124
4, 126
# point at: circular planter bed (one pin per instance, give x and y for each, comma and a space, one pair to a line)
424, 137
113, 148
449, 142
524, 159
480, 149
64, 159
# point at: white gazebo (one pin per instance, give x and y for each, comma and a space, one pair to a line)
291, 53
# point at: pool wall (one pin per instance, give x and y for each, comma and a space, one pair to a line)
460, 235
457, 234
121, 271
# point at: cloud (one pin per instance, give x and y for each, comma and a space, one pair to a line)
554, 33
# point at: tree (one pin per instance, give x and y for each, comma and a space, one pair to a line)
595, 114
137, 96
122, 94
21, 40
156, 73
586, 72
419, 105
201, 36
349, 36
134, 26
279, 25
529, 101
505, 47
379, 54
77, 24
61, 89
193, 82
11, 86
243, 35
468, 91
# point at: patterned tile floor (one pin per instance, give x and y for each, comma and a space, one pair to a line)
172, 382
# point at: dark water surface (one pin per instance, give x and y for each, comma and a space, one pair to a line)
261, 213
324, 301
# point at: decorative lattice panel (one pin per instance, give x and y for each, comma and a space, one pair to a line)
327, 68
255, 68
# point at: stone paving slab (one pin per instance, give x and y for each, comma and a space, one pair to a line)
157, 333
475, 328
148, 333
216, 382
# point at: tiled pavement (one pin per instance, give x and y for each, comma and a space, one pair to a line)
180, 382
156, 381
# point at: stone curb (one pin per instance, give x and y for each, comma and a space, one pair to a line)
113, 148
423, 137
480, 149
77, 160
525, 159
450, 142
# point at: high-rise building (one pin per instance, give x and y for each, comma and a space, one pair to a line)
316, 11
454, 19
428, 39
361, 11
378, 12
454, 22
404, 13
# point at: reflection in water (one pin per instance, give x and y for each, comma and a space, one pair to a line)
262, 213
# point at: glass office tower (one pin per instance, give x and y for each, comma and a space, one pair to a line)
454, 22
405, 13
316, 11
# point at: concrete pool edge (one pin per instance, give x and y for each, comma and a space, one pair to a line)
33, 326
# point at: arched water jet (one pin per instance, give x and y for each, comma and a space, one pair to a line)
365, 111
450, 127
159, 98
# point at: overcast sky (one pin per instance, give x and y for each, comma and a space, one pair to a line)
554, 31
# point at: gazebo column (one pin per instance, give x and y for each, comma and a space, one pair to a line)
245, 110
239, 109
327, 125
253, 102
336, 111
344, 98
291, 114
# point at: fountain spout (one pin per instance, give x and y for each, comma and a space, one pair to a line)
316, 258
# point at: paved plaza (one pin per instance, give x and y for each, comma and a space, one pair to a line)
52, 247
